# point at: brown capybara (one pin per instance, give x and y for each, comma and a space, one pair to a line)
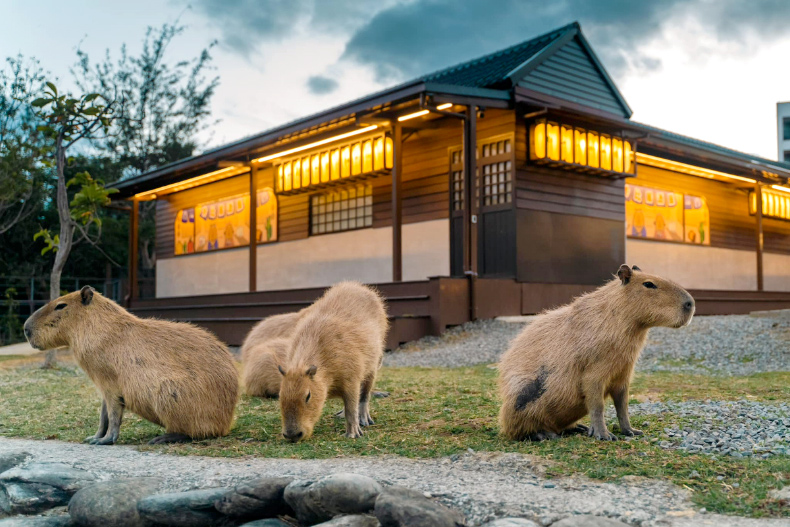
259, 372
565, 363
336, 349
173, 374
273, 327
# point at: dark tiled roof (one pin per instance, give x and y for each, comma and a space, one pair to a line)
490, 71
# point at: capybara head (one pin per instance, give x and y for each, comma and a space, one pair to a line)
53, 325
652, 300
302, 398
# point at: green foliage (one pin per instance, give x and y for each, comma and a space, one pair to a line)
70, 119
91, 197
52, 242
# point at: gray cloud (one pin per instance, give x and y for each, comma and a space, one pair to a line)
320, 85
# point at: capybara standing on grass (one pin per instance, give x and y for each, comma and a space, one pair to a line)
336, 349
266, 347
565, 363
173, 374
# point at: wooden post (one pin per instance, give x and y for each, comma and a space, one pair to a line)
397, 203
758, 214
253, 230
134, 220
470, 173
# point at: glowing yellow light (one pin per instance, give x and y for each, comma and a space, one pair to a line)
538, 150
317, 143
627, 157
335, 171
606, 152
423, 112
659, 162
553, 141
193, 182
592, 149
783, 189
617, 154
566, 140
580, 150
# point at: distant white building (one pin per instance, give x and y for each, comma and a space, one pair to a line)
783, 131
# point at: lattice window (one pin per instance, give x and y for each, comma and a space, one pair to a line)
497, 180
344, 209
457, 179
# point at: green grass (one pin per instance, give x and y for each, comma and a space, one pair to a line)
4, 358
433, 413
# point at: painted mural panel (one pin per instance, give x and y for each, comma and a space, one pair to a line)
658, 214
266, 216
222, 224
185, 231
697, 217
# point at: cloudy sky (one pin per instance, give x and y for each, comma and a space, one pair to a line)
711, 69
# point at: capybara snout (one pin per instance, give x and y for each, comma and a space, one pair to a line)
48, 327
301, 401
656, 301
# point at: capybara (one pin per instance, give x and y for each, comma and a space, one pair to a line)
259, 371
273, 327
173, 374
336, 349
564, 364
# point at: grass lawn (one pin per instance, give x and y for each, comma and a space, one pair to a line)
433, 413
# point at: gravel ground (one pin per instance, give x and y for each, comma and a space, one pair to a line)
482, 486
722, 345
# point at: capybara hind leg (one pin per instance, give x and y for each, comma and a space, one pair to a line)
104, 423
542, 435
170, 438
620, 398
593, 398
364, 402
351, 404
577, 429
115, 407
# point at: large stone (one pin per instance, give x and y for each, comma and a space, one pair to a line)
259, 498
588, 520
40, 486
37, 521
12, 459
270, 522
111, 503
194, 508
401, 507
353, 520
320, 501
511, 522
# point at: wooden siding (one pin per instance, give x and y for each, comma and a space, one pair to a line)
571, 74
731, 225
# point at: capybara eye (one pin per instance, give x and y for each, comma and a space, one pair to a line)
307, 400
60, 306
650, 285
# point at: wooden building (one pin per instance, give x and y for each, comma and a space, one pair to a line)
566, 188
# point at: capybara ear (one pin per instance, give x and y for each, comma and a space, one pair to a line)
86, 294
635, 268
624, 273
311, 371
282, 371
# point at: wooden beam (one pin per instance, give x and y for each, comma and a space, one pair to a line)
758, 215
134, 221
397, 203
470, 209
253, 266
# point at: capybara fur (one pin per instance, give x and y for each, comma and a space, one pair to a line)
273, 327
336, 350
173, 374
259, 371
564, 363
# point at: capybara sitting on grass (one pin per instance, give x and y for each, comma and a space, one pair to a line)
336, 350
266, 347
173, 374
565, 363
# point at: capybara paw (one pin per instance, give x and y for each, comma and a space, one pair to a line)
366, 421
104, 441
542, 436
631, 432
354, 432
90, 439
578, 429
602, 435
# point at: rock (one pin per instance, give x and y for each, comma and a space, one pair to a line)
354, 520
401, 507
259, 498
327, 497
588, 520
40, 486
37, 521
783, 494
511, 522
111, 503
270, 522
194, 508
12, 459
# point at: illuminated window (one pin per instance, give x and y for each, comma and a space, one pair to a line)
325, 176
367, 156
356, 159
658, 214
315, 170
343, 209
335, 164
775, 204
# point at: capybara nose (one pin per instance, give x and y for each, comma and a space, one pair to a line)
291, 436
28, 333
688, 305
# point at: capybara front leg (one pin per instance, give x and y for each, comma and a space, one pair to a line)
594, 399
115, 407
364, 402
351, 403
103, 423
620, 398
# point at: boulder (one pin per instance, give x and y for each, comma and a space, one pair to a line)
511, 522
353, 520
321, 500
194, 508
12, 459
37, 521
588, 520
111, 503
402, 507
259, 498
40, 486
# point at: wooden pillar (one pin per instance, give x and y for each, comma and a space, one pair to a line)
134, 220
253, 230
758, 214
471, 208
397, 202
